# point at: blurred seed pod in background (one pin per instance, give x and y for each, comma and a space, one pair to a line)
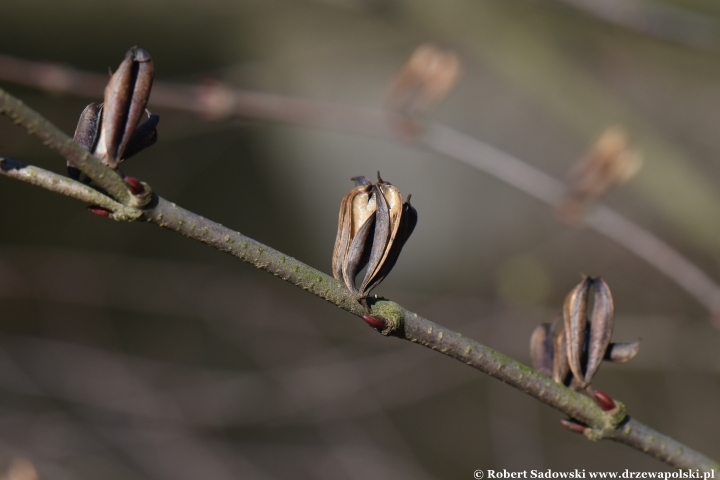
421, 84
610, 162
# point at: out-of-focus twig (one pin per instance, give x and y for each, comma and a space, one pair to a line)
657, 19
408, 325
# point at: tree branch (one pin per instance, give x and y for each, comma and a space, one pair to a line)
66, 186
408, 325
36, 124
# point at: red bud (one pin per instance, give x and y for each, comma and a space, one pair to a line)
134, 185
604, 400
376, 321
99, 211
573, 426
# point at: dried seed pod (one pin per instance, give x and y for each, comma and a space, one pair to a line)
373, 226
109, 130
126, 97
576, 322
541, 349
609, 162
420, 84
574, 346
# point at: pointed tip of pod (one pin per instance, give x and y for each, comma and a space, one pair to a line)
138, 54
604, 400
142, 55
376, 321
573, 426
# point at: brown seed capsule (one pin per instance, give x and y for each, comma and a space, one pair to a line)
574, 346
126, 97
373, 226
109, 130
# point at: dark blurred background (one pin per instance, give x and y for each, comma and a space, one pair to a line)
130, 352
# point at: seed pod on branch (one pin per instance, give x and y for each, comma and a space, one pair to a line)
572, 349
126, 97
110, 130
373, 226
